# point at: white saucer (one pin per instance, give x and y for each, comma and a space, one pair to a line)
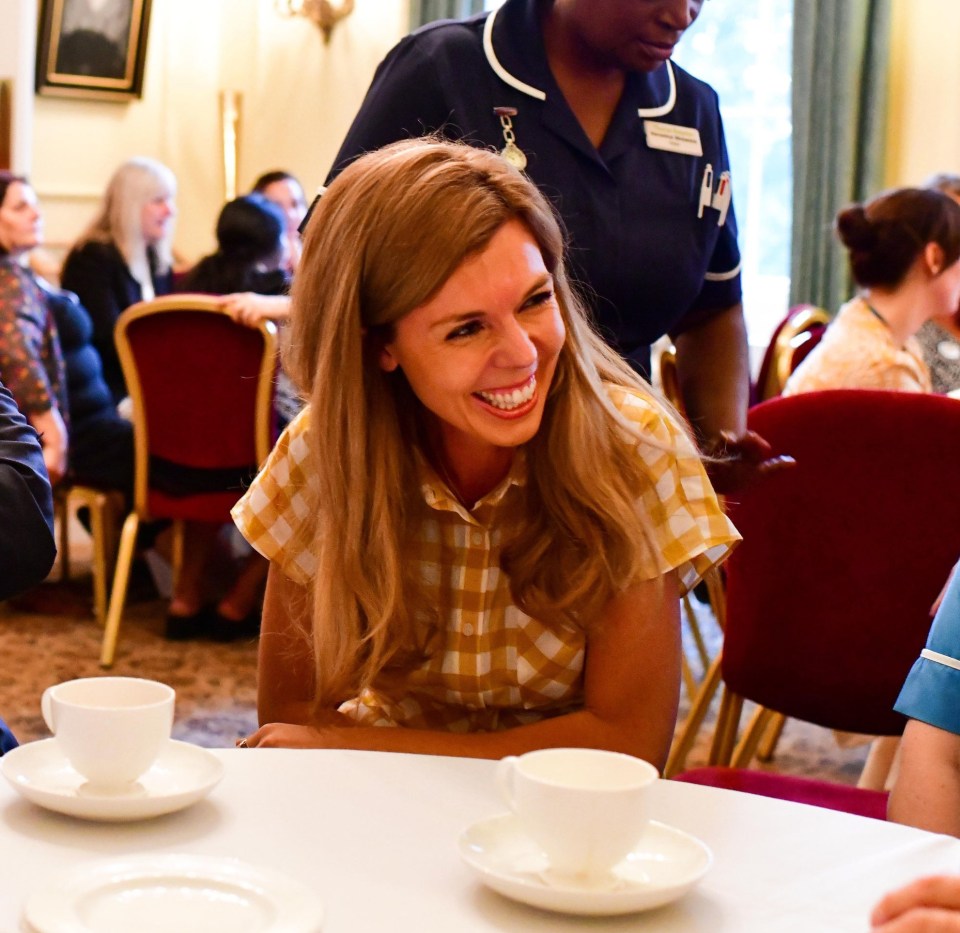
182, 893
181, 775
665, 864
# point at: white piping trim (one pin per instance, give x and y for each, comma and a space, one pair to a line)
671, 98
943, 659
723, 276
498, 69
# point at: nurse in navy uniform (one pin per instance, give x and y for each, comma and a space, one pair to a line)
582, 96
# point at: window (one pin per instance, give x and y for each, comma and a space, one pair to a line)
743, 49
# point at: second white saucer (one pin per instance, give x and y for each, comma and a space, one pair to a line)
181, 775
665, 864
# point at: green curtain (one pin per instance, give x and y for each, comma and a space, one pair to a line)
425, 11
840, 57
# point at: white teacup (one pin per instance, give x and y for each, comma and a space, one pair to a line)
111, 729
585, 808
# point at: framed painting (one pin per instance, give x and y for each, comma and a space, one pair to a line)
92, 48
6, 123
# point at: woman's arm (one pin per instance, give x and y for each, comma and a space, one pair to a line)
631, 688
249, 308
53, 441
927, 791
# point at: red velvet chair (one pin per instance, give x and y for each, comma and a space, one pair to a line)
202, 389
828, 595
795, 336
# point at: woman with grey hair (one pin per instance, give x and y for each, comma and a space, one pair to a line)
125, 255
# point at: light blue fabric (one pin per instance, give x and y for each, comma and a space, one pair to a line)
931, 692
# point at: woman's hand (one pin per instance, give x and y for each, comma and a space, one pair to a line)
249, 308
53, 442
930, 905
329, 732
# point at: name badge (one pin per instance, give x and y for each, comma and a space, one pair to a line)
672, 138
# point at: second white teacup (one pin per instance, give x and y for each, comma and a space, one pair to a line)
111, 729
586, 808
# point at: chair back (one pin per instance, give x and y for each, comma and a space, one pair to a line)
828, 595
795, 336
202, 392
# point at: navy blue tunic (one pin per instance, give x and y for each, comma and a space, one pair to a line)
650, 264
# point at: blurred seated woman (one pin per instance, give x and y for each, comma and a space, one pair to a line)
251, 256
480, 526
284, 190
252, 251
125, 255
939, 339
903, 249
49, 364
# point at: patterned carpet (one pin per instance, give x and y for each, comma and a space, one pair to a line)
50, 635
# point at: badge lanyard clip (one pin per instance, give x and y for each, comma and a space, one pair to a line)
511, 152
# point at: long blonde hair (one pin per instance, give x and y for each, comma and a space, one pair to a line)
384, 238
119, 219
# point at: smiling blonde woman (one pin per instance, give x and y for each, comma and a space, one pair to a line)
479, 527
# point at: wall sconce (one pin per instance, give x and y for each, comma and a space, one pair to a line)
322, 12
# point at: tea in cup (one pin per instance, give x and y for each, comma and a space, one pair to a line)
110, 729
586, 808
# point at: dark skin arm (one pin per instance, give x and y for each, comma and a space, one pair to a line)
713, 370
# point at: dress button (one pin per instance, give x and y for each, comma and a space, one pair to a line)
468, 629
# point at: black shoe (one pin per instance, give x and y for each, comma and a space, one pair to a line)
224, 630
185, 628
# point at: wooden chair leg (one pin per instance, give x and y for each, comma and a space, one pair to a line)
728, 723
689, 681
695, 633
98, 522
691, 725
754, 732
880, 758
768, 746
118, 595
61, 510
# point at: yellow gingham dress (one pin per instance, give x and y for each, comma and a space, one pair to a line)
488, 665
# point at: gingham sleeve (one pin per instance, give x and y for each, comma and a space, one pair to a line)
690, 529
272, 513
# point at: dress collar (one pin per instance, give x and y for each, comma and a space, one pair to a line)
513, 46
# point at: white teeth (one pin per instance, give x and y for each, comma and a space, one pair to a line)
507, 401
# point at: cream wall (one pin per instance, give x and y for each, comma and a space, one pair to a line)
923, 129
298, 97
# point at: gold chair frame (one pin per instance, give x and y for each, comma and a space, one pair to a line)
140, 512
793, 335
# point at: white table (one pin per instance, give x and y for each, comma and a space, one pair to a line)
375, 834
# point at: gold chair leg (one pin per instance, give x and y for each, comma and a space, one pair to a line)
118, 595
728, 722
689, 681
756, 729
691, 725
61, 508
176, 553
98, 519
876, 768
695, 632
768, 746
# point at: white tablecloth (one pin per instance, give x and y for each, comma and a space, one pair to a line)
375, 834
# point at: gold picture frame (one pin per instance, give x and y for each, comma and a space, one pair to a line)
6, 123
93, 49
